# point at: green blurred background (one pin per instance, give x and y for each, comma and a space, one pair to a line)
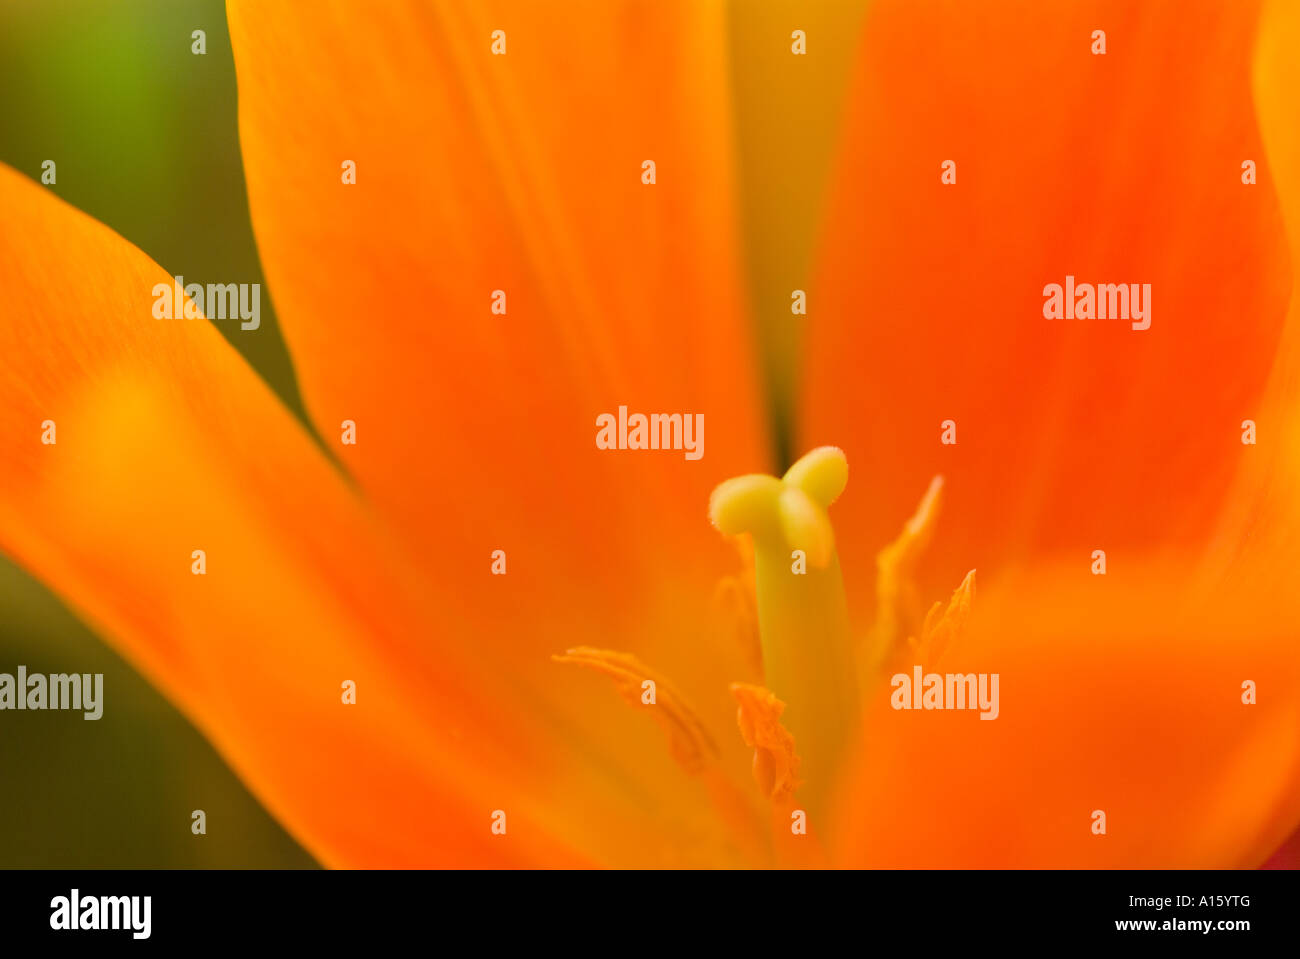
144, 134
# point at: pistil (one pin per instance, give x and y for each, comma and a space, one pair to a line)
808, 659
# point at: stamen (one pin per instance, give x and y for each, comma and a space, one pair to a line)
689, 742
776, 765
802, 615
898, 600
943, 626
688, 739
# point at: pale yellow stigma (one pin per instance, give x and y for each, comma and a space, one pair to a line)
803, 622
791, 509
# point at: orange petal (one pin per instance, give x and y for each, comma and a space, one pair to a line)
522, 173
477, 431
1123, 168
166, 443
1120, 694
1263, 518
1115, 694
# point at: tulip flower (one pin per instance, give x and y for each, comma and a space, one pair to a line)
469, 635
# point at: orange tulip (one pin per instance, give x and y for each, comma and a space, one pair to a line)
478, 700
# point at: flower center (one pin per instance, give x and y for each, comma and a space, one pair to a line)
808, 654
